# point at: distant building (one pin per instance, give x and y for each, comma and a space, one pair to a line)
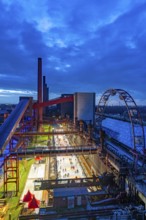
66, 108
84, 107
5, 111
3, 115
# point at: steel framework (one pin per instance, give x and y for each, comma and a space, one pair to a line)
11, 173
133, 113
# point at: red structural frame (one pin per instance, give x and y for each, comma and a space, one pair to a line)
11, 173
54, 102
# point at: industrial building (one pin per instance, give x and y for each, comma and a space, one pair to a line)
84, 107
73, 171
66, 109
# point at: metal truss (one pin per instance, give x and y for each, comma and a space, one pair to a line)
138, 136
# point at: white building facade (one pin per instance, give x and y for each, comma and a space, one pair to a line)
84, 107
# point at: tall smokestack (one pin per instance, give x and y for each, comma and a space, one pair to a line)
39, 80
40, 112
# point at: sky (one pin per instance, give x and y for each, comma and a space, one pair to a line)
85, 46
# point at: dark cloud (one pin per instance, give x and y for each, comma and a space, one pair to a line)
85, 46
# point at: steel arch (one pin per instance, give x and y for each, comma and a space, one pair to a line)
133, 113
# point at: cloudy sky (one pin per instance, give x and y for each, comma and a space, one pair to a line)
85, 45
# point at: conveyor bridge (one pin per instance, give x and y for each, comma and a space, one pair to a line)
9, 126
63, 183
52, 151
35, 133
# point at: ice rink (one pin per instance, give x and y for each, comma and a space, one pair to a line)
67, 166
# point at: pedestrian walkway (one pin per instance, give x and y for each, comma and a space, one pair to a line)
37, 171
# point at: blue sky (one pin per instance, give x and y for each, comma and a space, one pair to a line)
86, 46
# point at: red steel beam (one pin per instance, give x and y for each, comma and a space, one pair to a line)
54, 102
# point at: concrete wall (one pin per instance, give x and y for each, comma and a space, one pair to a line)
98, 166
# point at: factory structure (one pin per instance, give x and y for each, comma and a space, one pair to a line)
83, 107
83, 162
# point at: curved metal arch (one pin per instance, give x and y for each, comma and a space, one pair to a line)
133, 113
